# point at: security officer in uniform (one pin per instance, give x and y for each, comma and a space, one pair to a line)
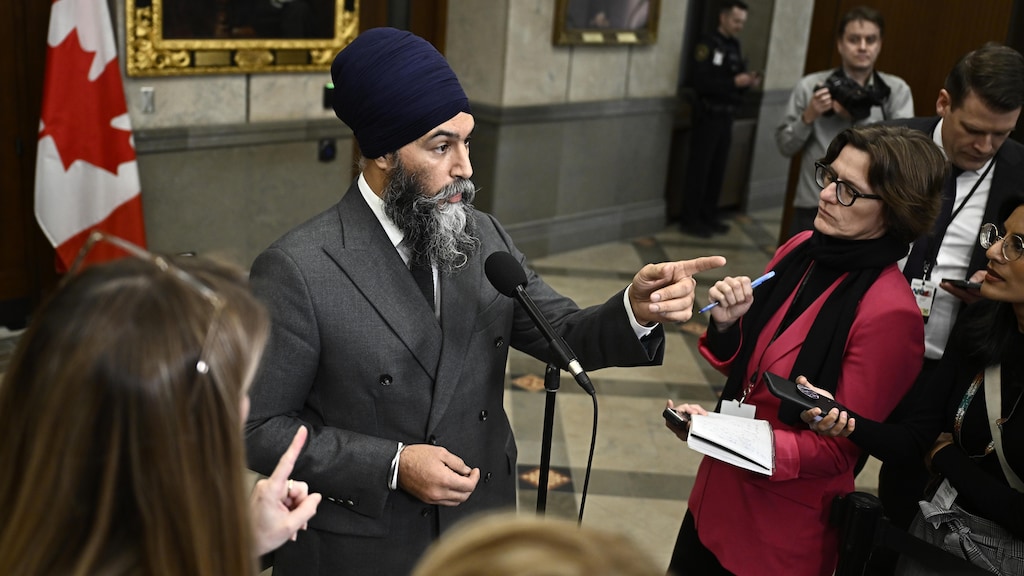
720, 79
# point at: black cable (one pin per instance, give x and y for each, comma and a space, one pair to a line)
590, 460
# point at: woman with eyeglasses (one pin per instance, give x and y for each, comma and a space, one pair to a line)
122, 413
949, 419
839, 311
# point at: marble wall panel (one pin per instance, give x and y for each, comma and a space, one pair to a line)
283, 96
654, 69
787, 49
477, 47
592, 173
484, 155
612, 162
537, 72
769, 169
571, 176
188, 101
235, 201
597, 72
528, 161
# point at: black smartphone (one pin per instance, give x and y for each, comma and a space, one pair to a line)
963, 284
799, 394
675, 419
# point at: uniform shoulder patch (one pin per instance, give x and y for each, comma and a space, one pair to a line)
702, 52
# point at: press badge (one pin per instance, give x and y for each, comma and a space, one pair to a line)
924, 293
737, 408
944, 495
718, 58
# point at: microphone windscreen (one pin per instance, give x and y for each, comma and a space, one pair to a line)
504, 272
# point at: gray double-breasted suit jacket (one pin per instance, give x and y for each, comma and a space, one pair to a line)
357, 355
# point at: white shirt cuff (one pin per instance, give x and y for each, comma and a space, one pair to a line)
393, 475
638, 329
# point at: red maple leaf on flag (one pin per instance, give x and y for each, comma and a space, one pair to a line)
77, 113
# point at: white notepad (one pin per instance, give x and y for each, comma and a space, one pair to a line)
742, 442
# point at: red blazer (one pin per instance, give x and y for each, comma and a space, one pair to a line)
779, 524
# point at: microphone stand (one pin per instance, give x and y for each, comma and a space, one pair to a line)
552, 379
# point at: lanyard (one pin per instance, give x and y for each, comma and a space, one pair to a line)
933, 251
783, 324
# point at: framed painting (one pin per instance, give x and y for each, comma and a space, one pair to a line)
606, 22
183, 37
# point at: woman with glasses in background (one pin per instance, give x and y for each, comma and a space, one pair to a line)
838, 310
122, 413
949, 420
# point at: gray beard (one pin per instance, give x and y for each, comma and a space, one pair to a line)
435, 230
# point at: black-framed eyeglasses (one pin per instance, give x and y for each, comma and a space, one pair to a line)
845, 193
208, 294
1013, 245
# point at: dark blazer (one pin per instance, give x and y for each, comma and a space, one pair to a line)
356, 355
1007, 176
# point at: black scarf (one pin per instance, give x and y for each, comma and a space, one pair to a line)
821, 354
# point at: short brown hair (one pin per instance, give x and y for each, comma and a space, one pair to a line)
865, 13
994, 73
908, 170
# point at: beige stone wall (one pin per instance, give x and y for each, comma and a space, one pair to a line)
502, 51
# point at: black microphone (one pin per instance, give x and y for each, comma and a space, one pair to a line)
508, 277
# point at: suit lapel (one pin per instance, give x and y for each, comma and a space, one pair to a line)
460, 298
365, 254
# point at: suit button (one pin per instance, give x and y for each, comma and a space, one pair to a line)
433, 440
385, 379
499, 342
425, 512
483, 415
349, 503
487, 477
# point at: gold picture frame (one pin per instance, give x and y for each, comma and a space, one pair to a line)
149, 53
606, 22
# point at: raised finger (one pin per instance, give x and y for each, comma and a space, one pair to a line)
286, 463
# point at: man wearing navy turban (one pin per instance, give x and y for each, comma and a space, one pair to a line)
389, 343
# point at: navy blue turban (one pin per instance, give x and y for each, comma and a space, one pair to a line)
391, 87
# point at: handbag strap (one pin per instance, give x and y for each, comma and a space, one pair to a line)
993, 402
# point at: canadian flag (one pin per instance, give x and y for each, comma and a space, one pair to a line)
86, 175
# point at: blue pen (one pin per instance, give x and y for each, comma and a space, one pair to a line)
753, 284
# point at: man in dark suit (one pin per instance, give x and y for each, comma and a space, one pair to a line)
389, 343
977, 110
720, 79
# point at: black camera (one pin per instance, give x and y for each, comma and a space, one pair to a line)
857, 99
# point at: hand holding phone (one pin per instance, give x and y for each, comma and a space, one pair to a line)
677, 421
786, 389
963, 284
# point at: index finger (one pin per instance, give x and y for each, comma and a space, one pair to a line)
702, 264
286, 463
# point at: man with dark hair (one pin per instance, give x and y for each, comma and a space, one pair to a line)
825, 103
720, 78
388, 342
977, 110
